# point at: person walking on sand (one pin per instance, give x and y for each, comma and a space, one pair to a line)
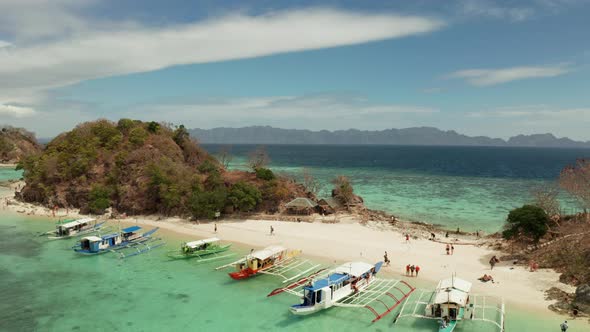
452, 249
448, 248
564, 326
408, 270
386, 259
417, 270
493, 262
412, 269
272, 230
407, 238
215, 229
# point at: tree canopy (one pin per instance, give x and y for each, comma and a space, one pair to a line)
528, 220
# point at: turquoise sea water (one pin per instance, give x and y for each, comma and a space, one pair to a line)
467, 187
8, 173
44, 286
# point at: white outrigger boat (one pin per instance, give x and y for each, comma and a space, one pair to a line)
127, 239
74, 228
351, 285
451, 303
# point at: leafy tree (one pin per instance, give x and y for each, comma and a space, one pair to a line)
153, 127
137, 136
207, 166
180, 135
204, 204
343, 189
99, 199
264, 174
5, 147
125, 125
528, 220
244, 197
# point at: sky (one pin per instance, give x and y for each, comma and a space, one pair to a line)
479, 67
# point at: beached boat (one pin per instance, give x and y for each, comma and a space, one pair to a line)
73, 228
274, 260
128, 238
451, 302
201, 249
352, 285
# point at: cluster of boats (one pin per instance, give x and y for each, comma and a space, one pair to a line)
350, 285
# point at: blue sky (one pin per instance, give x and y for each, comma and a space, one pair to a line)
479, 67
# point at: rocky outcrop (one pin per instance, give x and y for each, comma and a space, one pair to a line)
16, 144
582, 299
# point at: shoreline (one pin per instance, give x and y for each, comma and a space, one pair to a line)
350, 240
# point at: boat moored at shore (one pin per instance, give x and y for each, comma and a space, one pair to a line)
127, 238
200, 249
73, 228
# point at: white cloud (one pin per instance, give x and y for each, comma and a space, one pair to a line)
4, 44
16, 111
312, 112
485, 8
95, 54
485, 77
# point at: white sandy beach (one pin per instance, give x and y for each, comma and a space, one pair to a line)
352, 241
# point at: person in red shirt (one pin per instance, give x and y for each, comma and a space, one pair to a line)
408, 269
417, 270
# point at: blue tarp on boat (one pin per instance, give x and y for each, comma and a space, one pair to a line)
330, 280
131, 229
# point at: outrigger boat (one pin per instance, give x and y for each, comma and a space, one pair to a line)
273, 260
128, 238
201, 249
451, 303
73, 228
351, 285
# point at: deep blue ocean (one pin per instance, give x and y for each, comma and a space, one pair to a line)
467, 187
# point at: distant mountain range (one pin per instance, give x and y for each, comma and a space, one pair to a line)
406, 136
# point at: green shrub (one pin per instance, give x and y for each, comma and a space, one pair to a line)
99, 199
204, 204
207, 166
244, 197
528, 220
153, 127
264, 174
137, 136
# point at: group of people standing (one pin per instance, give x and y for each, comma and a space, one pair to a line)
410, 269
450, 249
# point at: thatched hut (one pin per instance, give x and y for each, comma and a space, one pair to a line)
301, 205
329, 205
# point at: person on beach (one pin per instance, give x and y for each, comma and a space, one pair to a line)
272, 231
452, 249
215, 229
417, 270
386, 259
493, 262
407, 238
477, 233
447, 234
486, 278
412, 269
432, 235
408, 270
448, 248
564, 326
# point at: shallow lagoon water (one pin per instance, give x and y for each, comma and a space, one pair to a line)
45, 286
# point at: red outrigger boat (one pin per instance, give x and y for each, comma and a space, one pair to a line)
273, 260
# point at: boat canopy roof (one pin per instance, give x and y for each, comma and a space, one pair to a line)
455, 283
131, 229
354, 269
267, 252
92, 238
75, 223
450, 295
195, 244
108, 236
333, 278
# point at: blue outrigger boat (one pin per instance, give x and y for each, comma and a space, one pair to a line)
128, 238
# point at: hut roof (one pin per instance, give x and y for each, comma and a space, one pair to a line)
330, 201
301, 202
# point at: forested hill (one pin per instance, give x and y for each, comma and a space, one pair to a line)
407, 136
143, 168
16, 143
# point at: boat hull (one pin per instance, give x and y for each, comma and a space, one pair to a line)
301, 310
243, 274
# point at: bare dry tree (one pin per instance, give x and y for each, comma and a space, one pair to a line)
575, 179
343, 189
310, 183
224, 156
258, 158
545, 197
